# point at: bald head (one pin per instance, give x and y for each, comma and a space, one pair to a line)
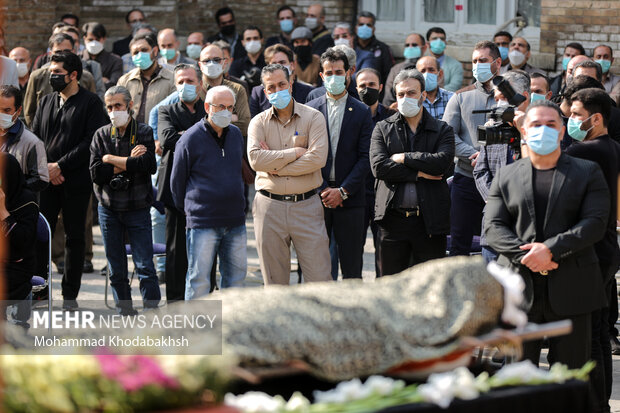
211, 52
167, 39
20, 54
316, 10
427, 61
574, 61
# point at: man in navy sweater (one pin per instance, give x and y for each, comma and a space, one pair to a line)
206, 183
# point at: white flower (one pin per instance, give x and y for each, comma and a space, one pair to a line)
345, 391
297, 404
255, 402
383, 385
442, 388
522, 372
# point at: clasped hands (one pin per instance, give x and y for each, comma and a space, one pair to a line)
55, 174
538, 258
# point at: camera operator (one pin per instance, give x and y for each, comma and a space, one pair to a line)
122, 161
494, 156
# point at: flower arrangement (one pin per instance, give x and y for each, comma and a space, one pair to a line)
110, 383
381, 392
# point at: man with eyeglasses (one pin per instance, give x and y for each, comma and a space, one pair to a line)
365, 41
207, 185
132, 18
415, 47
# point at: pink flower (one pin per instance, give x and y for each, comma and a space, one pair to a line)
134, 372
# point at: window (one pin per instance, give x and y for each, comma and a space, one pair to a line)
481, 12
530, 9
391, 10
439, 11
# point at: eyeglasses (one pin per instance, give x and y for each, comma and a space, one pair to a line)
214, 60
222, 107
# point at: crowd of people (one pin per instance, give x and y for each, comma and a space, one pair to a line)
336, 138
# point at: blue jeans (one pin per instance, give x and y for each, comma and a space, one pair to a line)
159, 235
465, 214
229, 243
138, 226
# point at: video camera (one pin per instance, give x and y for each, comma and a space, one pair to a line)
501, 131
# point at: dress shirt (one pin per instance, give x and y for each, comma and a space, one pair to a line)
438, 107
306, 128
335, 114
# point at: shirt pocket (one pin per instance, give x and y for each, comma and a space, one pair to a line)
300, 141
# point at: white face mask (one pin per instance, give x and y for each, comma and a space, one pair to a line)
408, 107
340, 41
253, 46
516, 58
94, 47
22, 69
211, 70
222, 118
119, 118
6, 120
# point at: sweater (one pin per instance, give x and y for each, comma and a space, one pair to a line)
206, 178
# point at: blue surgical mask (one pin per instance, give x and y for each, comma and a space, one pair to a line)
565, 61
482, 72
286, 25
193, 51
438, 46
412, 52
187, 92
167, 54
536, 96
574, 129
142, 60
503, 52
280, 99
334, 84
605, 64
430, 81
364, 32
542, 140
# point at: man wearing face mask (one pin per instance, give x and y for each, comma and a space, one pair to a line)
287, 20
604, 56
342, 35
558, 83
518, 56
349, 80
502, 41
279, 54
320, 36
111, 65
466, 203
206, 183
225, 20
308, 64
21, 56
452, 69
122, 159
369, 86
436, 98
287, 147
133, 18
66, 121
342, 191
544, 215
365, 41
415, 47
169, 49
590, 112
248, 67
195, 43
410, 153
17, 140
174, 120
540, 87
148, 83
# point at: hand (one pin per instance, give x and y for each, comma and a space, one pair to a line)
117, 170
158, 149
518, 119
105, 158
263, 145
398, 157
539, 257
427, 176
105, 79
474, 158
299, 152
138, 151
57, 180
394, 106
53, 170
331, 198
234, 118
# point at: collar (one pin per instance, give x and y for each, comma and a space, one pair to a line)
296, 106
339, 100
212, 131
480, 88
371, 43
14, 133
131, 132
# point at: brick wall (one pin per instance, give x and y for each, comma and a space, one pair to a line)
28, 22
588, 22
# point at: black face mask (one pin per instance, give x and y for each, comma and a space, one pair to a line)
228, 30
304, 53
369, 96
58, 82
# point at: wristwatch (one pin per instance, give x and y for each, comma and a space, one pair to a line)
343, 194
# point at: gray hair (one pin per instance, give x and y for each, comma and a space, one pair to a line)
119, 90
350, 53
343, 25
211, 93
519, 80
143, 25
409, 74
271, 69
185, 66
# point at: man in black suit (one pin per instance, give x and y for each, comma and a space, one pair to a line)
543, 216
410, 153
349, 125
133, 18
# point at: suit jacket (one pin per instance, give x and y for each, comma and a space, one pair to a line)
351, 161
575, 219
433, 153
